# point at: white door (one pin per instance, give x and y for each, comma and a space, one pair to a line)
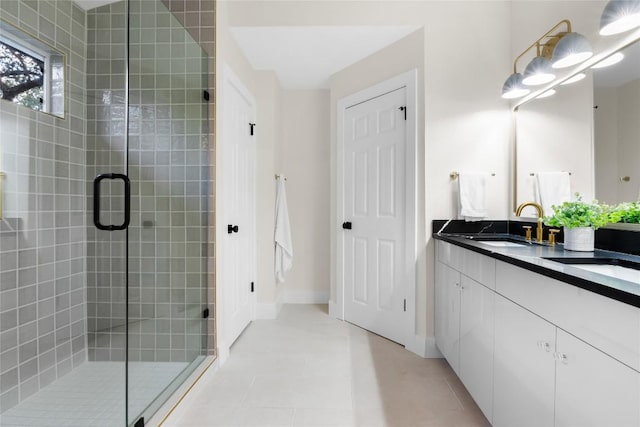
374, 269
236, 256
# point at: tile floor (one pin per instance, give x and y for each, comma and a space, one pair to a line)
93, 395
306, 369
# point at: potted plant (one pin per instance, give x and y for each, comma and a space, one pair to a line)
628, 213
580, 219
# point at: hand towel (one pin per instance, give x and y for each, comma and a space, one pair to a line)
283, 244
473, 195
553, 188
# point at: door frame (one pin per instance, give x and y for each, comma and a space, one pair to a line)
229, 78
408, 80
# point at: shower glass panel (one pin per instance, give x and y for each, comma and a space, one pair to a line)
168, 158
100, 325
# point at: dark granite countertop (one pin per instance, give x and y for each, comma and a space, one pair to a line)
531, 256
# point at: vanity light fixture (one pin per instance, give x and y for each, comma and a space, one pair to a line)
538, 72
574, 79
559, 47
609, 60
572, 49
619, 16
513, 87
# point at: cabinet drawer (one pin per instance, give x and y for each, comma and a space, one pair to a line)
611, 326
480, 268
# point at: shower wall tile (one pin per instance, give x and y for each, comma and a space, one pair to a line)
42, 237
168, 157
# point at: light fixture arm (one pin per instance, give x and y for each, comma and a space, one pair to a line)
549, 44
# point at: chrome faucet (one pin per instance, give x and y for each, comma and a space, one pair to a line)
539, 229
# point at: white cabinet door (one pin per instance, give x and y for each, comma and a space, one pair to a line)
524, 367
476, 342
593, 389
448, 314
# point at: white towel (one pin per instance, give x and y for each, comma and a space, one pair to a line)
284, 246
473, 195
553, 188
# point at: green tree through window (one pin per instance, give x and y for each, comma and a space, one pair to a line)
21, 77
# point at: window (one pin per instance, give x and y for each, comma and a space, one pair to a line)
22, 76
31, 72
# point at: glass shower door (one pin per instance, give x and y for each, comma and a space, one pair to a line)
106, 160
168, 166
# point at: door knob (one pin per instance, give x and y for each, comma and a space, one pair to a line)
346, 225
232, 228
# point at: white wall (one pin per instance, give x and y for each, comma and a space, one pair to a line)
305, 162
465, 56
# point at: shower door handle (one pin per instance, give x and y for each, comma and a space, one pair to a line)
96, 201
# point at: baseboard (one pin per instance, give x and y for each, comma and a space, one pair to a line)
222, 352
305, 297
424, 347
334, 310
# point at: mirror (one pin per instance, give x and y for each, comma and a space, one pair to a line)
590, 129
616, 134
31, 72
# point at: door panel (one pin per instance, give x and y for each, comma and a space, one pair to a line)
238, 258
524, 367
593, 389
374, 201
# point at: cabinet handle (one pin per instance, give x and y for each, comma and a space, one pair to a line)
561, 357
543, 345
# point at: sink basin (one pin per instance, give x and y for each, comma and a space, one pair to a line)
502, 243
498, 240
618, 268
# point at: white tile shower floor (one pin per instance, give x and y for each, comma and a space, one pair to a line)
307, 369
93, 395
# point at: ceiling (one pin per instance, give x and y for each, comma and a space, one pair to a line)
90, 4
305, 57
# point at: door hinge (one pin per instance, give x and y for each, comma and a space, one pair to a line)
139, 423
251, 126
205, 313
251, 286
404, 108
405, 305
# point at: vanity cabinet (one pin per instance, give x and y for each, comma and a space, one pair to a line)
464, 319
535, 351
593, 389
524, 378
448, 314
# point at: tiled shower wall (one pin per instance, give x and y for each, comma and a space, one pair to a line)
169, 168
42, 249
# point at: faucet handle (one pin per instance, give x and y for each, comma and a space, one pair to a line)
552, 236
527, 232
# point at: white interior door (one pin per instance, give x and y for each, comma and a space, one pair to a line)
237, 254
374, 270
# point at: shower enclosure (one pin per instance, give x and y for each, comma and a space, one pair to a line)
104, 225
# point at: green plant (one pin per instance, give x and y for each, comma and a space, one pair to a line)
579, 213
628, 212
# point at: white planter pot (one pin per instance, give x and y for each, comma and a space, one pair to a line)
579, 239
